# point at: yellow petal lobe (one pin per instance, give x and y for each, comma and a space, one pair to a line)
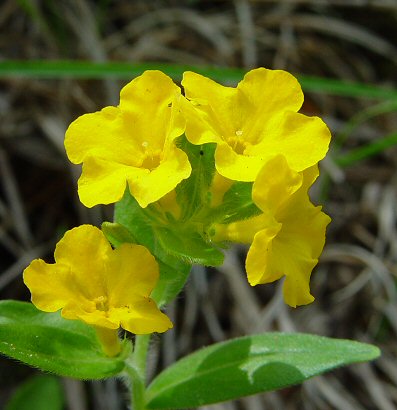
275, 184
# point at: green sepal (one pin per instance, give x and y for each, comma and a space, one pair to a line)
250, 365
185, 243
51, 343
40, 392
192, 194
168, 240
117, 234
237, 204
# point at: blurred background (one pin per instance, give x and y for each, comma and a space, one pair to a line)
344, 53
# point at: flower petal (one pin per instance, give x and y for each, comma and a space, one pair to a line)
235, 166
75, 277
273, 255
295, 248
213, 111
104, 134
142, 318
271, 91
131, 275
46, 280
301, 139
294, 253
258, 263
201, 128
92, 317
83, 250
150, 187
302, 240
227, 110
148, 105
242, 231
275, 184
104, 182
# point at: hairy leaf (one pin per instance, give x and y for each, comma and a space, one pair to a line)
250, 365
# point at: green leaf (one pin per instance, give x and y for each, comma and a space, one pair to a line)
40, 392
250, 365
364, 115
192, 193
345, 88
367, 151
49, 342
226, 75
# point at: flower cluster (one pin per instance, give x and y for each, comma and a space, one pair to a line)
205, 167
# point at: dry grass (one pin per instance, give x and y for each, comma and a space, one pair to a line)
355, 283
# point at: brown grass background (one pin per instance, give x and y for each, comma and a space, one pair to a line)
355, 283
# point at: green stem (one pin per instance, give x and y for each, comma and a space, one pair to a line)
136, 371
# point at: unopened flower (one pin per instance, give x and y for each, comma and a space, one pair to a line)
131, 144
104, 287
253, 122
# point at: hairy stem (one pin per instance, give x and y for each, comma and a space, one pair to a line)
136, 371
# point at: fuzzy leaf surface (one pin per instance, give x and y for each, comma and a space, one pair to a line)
251, 365
51, 343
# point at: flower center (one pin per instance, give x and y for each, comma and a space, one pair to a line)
152, 157
237, 143
102, 303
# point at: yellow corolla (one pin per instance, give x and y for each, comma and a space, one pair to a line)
104, 287
132, 144
253, 122
288, 237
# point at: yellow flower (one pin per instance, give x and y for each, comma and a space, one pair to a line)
131, 144
103, 287
253, 122
288, 237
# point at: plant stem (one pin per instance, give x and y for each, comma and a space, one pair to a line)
136, 370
